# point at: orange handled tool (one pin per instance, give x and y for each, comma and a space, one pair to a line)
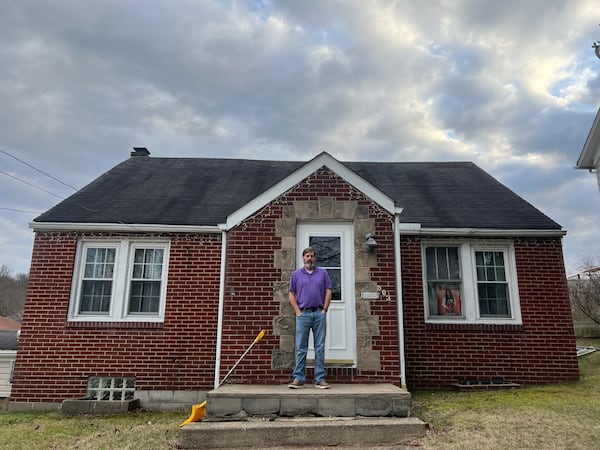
258, 338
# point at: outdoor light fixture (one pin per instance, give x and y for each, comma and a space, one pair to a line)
370, 242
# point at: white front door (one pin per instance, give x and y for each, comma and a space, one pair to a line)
334, 248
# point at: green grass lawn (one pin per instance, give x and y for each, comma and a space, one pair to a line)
558, 416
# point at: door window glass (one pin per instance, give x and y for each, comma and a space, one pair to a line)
328, 253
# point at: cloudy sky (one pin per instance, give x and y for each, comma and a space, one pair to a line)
512, 86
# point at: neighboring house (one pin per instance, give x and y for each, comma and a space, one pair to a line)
590, 154
9, 334
591, 272
162, 271
582, 282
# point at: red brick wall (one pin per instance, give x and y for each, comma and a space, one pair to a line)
542, 350
56, 357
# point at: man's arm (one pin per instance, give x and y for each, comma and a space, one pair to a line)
327, 300
294, 303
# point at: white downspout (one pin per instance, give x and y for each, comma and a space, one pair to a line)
399, 297
221, 307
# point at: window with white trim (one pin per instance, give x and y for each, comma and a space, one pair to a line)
470, 282
121, 280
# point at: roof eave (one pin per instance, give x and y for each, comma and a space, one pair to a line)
590, 154
416, 229
124, 227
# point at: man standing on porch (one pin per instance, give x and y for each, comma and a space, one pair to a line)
310, 295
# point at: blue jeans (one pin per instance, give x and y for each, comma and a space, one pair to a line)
317, 322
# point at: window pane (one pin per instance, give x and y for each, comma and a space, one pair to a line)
443, 281
453, 266
96, 283
147, 264
95, 296
479, 258
431, 263
144, 297
99, 263
500, 274
502, 296
492, 287
499, 259
442, 263
138, 256
327, 250
493, 300
146, 279
445, 300
480, 273
488, 258
336, 282
329, 256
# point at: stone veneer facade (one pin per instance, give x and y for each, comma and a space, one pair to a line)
326, 209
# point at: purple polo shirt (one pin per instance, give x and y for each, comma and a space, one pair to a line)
310, 287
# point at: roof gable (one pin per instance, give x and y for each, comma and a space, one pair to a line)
322, 160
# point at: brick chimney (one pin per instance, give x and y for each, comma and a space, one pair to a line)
140, 151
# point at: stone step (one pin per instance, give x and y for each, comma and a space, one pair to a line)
343, 400
303, 432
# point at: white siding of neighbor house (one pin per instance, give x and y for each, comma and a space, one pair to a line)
7, 358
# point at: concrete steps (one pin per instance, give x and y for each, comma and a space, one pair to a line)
243, 416
347, 400
359, 432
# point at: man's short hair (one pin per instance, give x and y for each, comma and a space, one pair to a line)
308, 250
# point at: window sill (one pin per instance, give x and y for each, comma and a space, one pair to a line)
500, 327
98, 324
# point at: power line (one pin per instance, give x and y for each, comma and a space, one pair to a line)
42, 189
30, 184
20, 210
38, 170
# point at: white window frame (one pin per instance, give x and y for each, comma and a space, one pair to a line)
122, 274
468, 272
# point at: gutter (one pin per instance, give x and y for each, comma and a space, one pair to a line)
127, 227
399, 297
221, 306
417, 229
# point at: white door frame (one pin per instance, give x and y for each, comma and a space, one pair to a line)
340, 344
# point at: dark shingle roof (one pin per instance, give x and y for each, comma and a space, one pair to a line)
452, 195
204, 191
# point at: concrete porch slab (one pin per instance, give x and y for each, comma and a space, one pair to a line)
343, 400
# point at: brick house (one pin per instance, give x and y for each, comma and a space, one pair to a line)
156, 277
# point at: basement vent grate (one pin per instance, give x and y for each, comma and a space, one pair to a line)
111, 388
